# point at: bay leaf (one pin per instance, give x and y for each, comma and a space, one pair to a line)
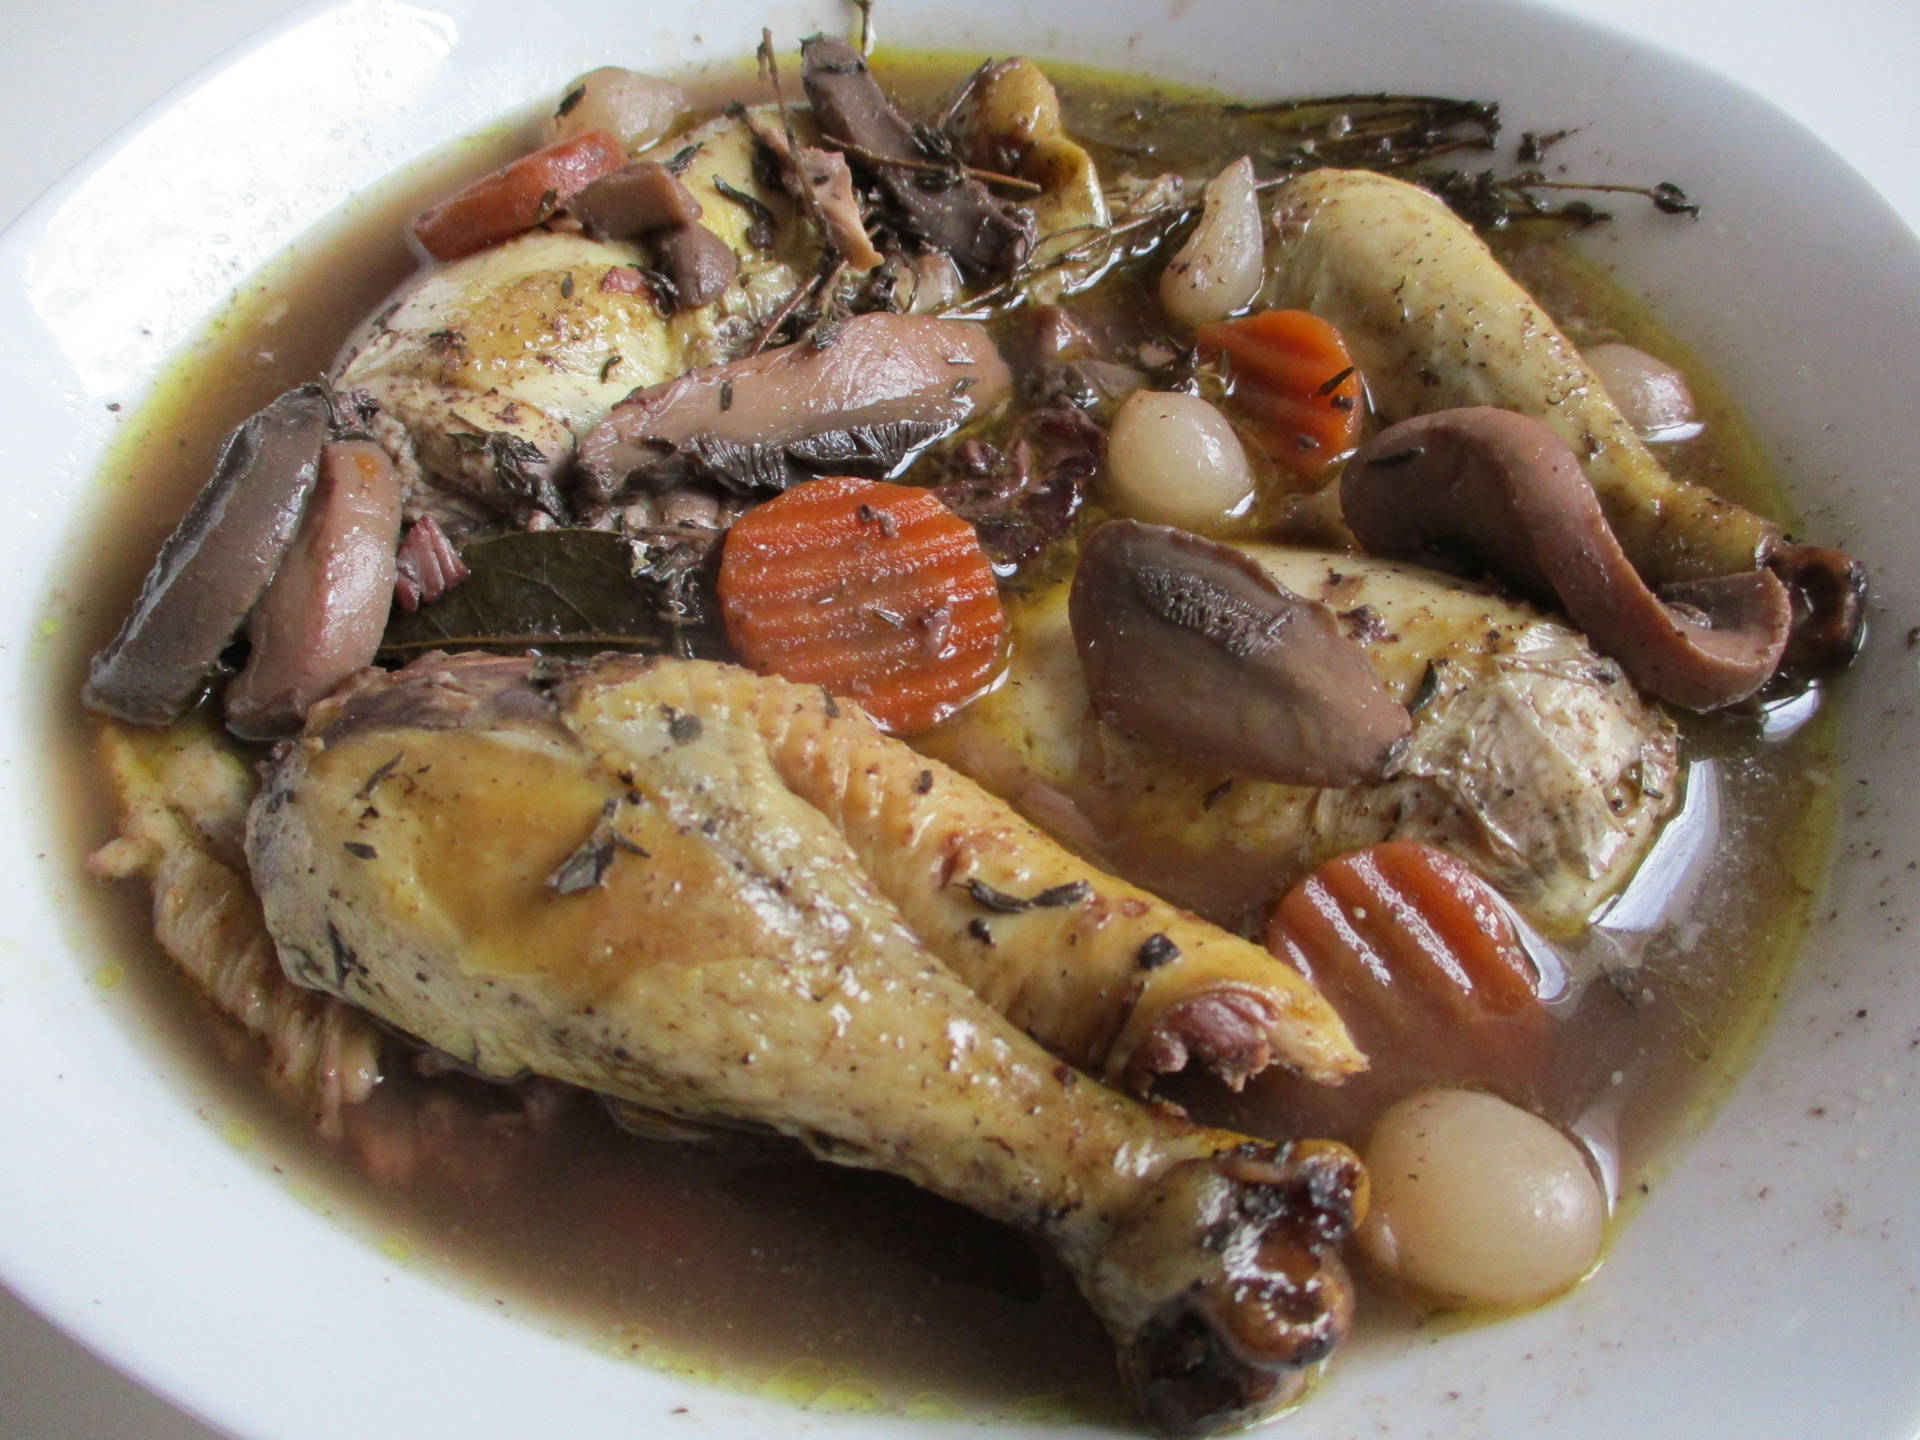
564, 592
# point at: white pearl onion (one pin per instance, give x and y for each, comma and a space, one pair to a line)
1652, 396
1221, 266
637, 108
1477, 1200
1173, 459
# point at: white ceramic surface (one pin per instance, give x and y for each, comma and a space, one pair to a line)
1768, 1289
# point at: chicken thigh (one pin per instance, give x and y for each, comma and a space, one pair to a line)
588, 873
1531, 757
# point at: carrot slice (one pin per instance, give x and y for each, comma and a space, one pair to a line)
1293, 379
877, 592
1410, 936
519, 196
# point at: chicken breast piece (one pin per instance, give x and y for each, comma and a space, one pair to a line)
493, 365
574, 875
488, 370
1531, 756
1434, 322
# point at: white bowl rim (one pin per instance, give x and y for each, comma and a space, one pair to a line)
1815, 1275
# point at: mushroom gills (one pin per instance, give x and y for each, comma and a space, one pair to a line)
858, 400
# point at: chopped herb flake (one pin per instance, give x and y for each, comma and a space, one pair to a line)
1157, 950
1074, 892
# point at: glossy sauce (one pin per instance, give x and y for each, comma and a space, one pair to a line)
738, 1259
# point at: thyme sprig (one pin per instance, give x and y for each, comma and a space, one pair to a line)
1494, 201
1149, 233
1375, 131
934, 167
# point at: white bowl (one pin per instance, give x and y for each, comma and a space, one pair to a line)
1769, 1286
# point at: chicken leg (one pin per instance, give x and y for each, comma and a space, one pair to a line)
563, 871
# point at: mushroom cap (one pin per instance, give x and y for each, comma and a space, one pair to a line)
1478, 488
215, 564
1189, 645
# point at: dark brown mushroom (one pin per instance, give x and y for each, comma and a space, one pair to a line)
1829, 594
1021, 498
859, 398
699, 263
637, 198
937, 200
214, 565
1189, 645
645, 200
1483, 489
321, 618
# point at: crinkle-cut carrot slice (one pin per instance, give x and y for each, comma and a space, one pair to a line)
876, 592
518, 196
1293, 382
1410, 935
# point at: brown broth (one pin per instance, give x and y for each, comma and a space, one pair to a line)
740, 1260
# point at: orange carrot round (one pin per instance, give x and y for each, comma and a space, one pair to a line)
877, 592
1294, 382
1409, 934
519, 196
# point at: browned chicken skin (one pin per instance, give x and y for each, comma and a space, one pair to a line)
578, 874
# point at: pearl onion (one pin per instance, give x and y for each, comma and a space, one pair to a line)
1652, 396
1173, 459
1477, 1200
637, 108
1221, 266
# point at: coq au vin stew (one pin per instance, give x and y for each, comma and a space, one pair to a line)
1179, 690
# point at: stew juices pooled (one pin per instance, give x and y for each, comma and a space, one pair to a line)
1101, 669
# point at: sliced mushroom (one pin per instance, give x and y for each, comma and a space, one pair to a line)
1829, 594
214, 565
699, 263
1479, 488
646, 199
1189, 645
322, 616
937, 200
635, 199
827, 183
856, 399
426, 566
1021, 498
